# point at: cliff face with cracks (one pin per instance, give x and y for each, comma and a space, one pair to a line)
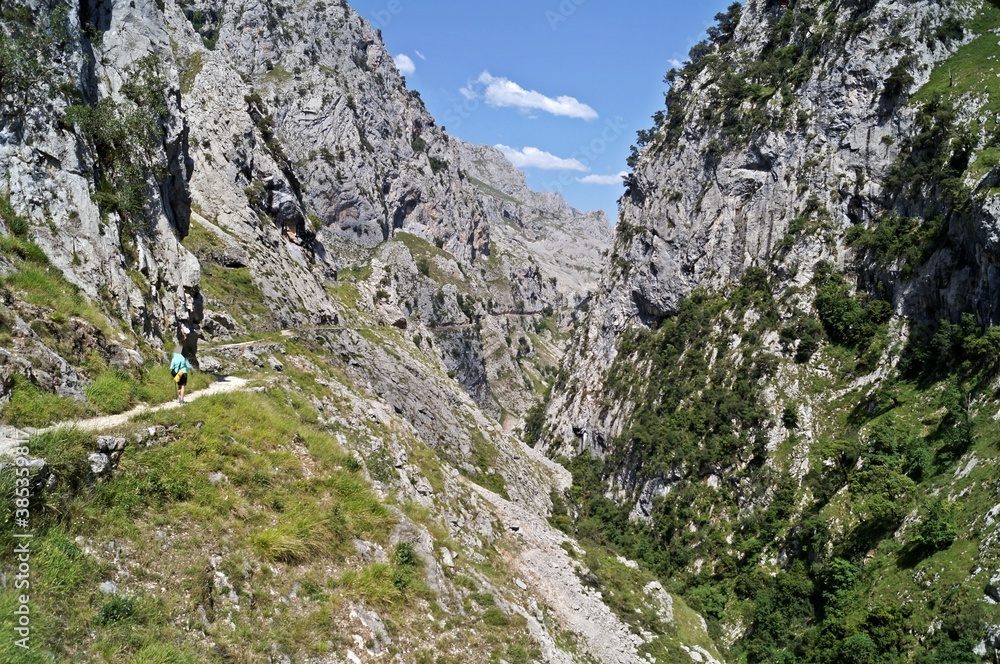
306, 137
293, 138
274, 166
52, 174
709, 199
800, 298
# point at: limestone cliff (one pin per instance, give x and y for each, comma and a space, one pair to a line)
126, 254
299, 157
774, 175
311, 145
788, 371
312, 188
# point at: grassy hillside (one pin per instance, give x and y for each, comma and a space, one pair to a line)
245, 525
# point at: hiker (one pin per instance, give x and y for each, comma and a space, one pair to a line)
179, 368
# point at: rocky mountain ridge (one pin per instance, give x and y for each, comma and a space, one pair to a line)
384, 168
240, 144
702, 208
788, 365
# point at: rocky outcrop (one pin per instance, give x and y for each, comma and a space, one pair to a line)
541, 228
447, 422
310, 154
313, 127
133, 263
286, 148
807, 238
776, 180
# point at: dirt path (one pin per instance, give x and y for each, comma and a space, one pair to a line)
222, 385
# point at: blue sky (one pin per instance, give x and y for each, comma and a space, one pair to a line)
563, 85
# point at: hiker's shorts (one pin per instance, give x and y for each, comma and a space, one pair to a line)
183, 380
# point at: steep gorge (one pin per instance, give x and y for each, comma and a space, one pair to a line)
778, 415
783, 398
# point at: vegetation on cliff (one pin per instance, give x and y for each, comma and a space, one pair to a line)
810, 463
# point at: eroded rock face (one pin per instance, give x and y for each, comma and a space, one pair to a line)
309, 110
289, 149
310, 154
426, 399
704, 208
145, 276
565, 244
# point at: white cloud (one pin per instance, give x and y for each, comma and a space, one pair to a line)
603, 179
675, 63
534, 158
503, 92
421, 55
404, 64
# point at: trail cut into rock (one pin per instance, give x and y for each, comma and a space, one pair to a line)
221, 386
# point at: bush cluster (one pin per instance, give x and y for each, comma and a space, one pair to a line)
966, 347
700, 415
928, 174
30, 41
741, 87
127, 136
848, 320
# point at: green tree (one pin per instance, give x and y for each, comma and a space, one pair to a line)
534, 420
30, 40
936, 530
126, 136
725, 25
858, 649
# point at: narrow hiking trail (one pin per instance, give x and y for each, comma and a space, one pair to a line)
222, 385
291, 332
